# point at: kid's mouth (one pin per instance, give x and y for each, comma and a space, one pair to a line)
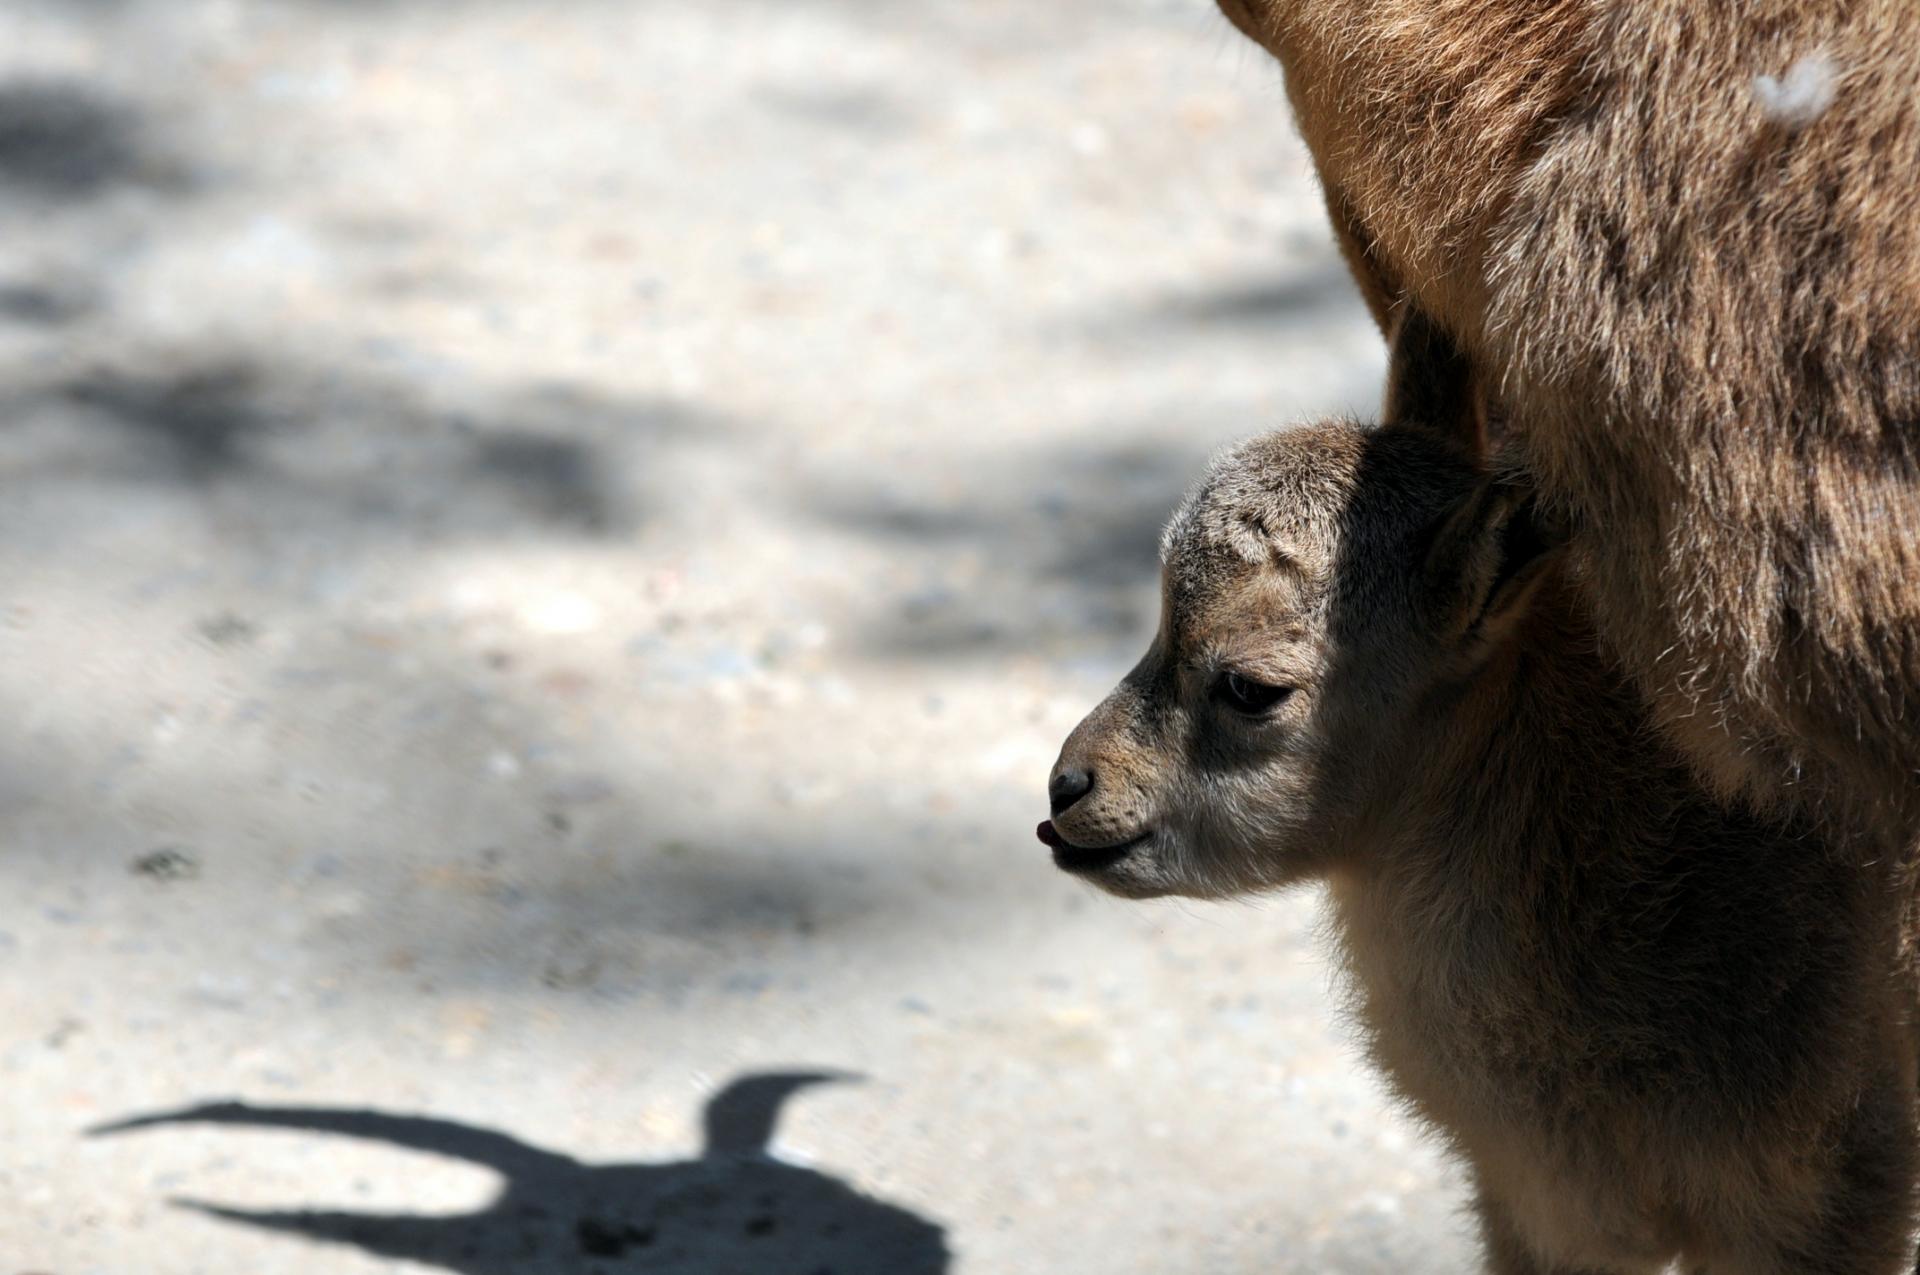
1072, 858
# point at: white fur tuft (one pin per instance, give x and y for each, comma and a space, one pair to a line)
1802, 95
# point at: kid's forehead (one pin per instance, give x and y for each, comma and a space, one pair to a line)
1216, 542
1208, 593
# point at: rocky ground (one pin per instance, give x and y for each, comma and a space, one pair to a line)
546, 551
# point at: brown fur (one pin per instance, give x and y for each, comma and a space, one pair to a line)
1656, 1023
1704, 323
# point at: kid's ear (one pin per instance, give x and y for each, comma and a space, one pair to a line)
1430, 382
1487, 559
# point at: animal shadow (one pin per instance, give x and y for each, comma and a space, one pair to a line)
731, 1211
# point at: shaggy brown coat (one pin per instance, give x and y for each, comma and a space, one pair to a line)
1679, 242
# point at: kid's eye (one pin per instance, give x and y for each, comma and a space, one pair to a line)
1244, 695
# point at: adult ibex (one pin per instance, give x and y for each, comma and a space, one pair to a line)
1678, 243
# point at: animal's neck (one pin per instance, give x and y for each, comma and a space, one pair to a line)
1543, 753
1532, 786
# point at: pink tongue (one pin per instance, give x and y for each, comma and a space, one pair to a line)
1046, 834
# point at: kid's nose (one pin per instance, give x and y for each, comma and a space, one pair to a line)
1068, 785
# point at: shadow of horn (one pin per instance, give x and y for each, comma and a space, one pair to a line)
740, 1119
418, 1133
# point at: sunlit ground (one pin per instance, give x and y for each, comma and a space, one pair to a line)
545, 553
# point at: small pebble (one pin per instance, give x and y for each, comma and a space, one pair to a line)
228, 629
168, 863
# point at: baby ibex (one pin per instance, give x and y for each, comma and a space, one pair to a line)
1657, 1026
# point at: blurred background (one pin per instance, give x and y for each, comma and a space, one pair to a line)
545, 552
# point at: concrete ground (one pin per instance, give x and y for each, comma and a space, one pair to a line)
546, 551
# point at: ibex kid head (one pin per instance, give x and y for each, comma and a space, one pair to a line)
1320, 587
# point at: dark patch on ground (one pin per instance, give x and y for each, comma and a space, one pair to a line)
732, 1209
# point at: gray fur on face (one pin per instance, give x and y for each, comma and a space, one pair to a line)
1295, 561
